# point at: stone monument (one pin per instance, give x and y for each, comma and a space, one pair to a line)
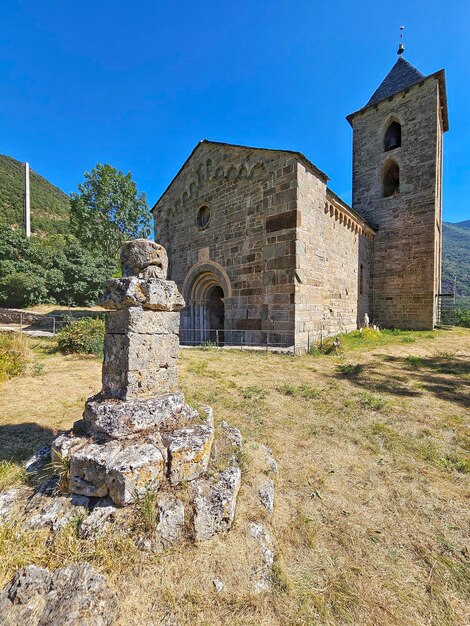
138, 434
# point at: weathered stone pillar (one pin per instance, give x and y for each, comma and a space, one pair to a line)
138, 431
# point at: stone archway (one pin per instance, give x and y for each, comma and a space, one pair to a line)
206, 289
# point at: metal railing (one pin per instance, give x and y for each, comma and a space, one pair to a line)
53, 323
219, 338
450, 307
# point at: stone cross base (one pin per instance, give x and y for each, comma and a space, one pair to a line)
138, 433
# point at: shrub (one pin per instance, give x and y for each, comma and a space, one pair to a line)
462, 317
13, 354
85, 336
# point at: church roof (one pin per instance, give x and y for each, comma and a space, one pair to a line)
299, 155
401, 76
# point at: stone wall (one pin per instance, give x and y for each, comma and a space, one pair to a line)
407, 248
18, 316
248, 245
332, 265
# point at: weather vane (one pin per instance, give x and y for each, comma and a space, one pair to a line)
401, 47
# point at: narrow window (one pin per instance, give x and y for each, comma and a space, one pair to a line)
391, 180
361, 280
392, 138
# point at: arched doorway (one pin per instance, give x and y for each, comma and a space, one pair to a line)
206, 289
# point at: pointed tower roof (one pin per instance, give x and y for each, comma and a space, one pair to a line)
401, 76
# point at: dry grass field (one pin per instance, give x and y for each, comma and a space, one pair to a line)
371, 519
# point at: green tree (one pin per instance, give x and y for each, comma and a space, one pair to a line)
50, 269
108, 210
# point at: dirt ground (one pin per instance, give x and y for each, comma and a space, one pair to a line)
371, 519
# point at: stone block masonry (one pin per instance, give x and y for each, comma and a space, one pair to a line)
138, 434
259, 246
407, 247
281, 264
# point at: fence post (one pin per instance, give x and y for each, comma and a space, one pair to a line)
21, 322
217, 337
53, 326
267, 342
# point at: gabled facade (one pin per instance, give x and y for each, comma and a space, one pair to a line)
261, 248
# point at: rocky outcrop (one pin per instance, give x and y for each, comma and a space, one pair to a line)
7, 502
214, 504
261, 575
170, 527
77, 595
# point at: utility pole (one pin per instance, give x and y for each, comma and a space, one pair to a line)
27, 207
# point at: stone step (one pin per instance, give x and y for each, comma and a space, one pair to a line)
119, 419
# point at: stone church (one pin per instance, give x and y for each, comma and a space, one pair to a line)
265, 252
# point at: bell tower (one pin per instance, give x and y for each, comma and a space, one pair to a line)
397, 187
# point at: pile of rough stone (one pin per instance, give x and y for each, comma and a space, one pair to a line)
137, 437
138, 434
77, 595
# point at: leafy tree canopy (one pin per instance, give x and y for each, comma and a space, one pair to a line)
108, 210
53, 269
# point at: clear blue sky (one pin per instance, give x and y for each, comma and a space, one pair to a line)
138, 84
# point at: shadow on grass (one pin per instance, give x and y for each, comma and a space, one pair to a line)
441, 375
20, 441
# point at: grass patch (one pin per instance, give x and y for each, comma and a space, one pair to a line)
350, 369
383, 434
253, 392
11, 474
414, 362
369, 338
14, 349
373, 402
198, 367
300, 391
146, 511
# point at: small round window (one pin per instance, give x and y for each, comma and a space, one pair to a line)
203, 216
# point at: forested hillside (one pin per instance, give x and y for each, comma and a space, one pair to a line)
456, 257
49, 205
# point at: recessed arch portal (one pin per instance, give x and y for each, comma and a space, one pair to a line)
206, 289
